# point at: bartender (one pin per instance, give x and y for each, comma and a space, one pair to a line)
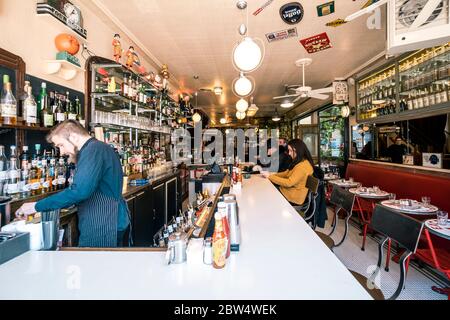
103, 215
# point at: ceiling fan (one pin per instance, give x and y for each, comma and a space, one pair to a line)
302, 91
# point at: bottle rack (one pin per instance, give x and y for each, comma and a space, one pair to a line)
411, 86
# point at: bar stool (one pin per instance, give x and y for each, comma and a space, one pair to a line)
400, 228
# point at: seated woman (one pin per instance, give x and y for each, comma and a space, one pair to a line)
292, 182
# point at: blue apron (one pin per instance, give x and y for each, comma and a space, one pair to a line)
97, 221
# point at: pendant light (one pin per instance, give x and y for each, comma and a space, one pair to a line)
345, 112
243, 86
252, 110
223, 121
242, 105
276, 117
196, 117
240, 115
247, 54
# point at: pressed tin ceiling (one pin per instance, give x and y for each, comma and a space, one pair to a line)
196, 37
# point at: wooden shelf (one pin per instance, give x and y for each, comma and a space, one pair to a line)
62, 68
23, 127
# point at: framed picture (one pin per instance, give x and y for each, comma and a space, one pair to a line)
432, 160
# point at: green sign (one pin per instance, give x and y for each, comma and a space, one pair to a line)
325, 9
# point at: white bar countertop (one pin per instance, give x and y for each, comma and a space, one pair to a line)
280, 258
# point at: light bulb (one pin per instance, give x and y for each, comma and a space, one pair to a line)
240, 115
196, 117
247, 55
242, 105
243, 86
223, 120
345, 112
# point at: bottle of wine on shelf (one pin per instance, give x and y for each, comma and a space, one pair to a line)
79, 112
46, 113
60, 115
41, 102
8, 104
30, 109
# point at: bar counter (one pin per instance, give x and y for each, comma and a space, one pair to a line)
280, 258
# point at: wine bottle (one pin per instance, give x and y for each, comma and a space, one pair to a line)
8, 104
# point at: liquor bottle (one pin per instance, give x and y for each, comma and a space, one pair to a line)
8, 104
125, 86
166, 235
70, 109
47, 119
30, 109
35, 172
61, 174
80, 117
51, 175
44, 171
42, 102
23, 98
3, 171
24, 157
220, 244
13, 173
60, 114
112, 85
24, 184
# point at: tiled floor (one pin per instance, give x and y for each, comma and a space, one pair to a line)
418, 281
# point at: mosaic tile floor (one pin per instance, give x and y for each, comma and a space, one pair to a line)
418, 282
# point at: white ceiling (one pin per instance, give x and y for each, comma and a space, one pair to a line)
196, 37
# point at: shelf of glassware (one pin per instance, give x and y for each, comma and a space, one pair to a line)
377, 95
425, 79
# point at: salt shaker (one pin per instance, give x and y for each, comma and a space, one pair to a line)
207, 251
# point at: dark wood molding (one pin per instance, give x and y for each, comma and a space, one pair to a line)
16, 63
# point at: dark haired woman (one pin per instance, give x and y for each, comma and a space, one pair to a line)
292, 182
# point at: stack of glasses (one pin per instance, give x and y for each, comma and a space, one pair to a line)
50, 229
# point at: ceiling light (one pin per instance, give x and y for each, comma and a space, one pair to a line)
241, 4
286, 103
276, 117
247, 55
243, 86
227, 131
252, 110
218, 91
196, 117
240, 115
242, 105
345, 111
223, 120
242, 29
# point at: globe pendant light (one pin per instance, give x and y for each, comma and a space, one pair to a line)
276, 117
252, 110
223, 121
247, 55
196, 117
243, 86
242, 105
345, 112
240, 115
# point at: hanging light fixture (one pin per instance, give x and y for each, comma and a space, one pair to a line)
240, 115
252, 110
196, 117
247, 54
218, 91
345, 111
243, 86
223, 121
276, 117
242, 105
286, 103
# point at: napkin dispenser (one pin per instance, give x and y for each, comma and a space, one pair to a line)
13, 245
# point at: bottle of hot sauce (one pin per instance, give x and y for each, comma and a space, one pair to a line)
223, 210
219, 247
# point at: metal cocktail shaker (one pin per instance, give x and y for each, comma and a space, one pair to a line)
233, 218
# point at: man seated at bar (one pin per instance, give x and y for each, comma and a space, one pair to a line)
284, 160
103, 215
292, 182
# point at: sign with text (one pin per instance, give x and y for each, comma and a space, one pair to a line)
292, 12
325, 9
316, 43
340, 92
281, 35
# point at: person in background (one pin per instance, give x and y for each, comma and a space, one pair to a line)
397, 151
103, 216
282, 142
284, 160
292, 182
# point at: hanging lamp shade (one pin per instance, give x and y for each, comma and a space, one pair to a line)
242, 105
243, 86
240, 115
196, 117
276, 117
247, 55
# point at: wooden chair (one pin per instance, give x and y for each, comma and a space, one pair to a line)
400, 228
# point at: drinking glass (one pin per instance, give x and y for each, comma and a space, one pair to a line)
426, 200
442, 217
392, 196
376, 189
350, 180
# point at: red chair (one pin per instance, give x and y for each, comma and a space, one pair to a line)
437, 257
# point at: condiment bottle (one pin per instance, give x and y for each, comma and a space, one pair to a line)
223, 210
219, 247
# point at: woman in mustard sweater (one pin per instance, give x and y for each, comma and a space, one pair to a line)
292, 182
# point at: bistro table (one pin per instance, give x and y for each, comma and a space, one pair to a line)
346, 184
440, 231
365, 216
416, 209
